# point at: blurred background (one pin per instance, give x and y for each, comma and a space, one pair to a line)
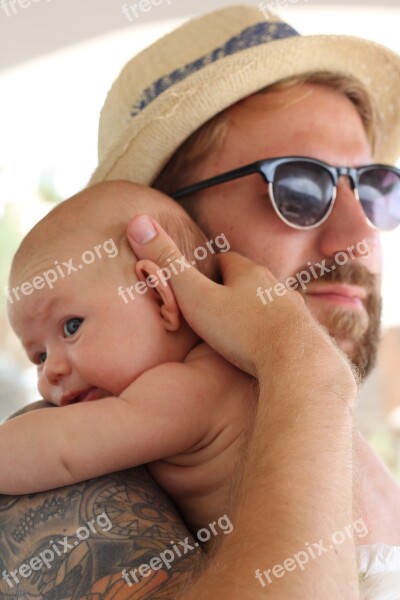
58, 59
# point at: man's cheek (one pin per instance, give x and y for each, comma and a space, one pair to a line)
370, 253
378, 258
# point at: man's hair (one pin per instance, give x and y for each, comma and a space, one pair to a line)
211, 135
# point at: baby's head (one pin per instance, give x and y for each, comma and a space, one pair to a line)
88, 313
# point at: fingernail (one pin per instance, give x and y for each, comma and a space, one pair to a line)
142, 230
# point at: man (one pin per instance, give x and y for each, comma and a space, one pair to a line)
161, 98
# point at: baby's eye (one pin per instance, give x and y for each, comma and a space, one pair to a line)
71, 326
40, 359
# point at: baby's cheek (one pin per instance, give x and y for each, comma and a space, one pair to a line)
42, 387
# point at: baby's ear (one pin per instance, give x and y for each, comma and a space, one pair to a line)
152, 275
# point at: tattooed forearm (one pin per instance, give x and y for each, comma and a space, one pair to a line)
90, 541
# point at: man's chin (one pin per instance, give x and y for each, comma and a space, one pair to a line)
353, 322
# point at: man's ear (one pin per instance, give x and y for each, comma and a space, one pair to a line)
149, 272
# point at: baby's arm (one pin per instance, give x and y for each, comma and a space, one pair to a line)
166, 411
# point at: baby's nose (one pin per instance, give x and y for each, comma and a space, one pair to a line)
55, 367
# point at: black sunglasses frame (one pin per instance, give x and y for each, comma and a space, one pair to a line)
267, 167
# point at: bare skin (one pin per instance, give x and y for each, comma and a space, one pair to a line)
261, 240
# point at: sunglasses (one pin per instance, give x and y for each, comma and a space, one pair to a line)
303, 190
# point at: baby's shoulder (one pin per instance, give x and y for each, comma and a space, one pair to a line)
202, 356
215, 372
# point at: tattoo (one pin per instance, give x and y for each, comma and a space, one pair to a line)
76, 541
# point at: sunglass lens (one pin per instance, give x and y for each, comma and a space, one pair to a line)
302, 192
379, 191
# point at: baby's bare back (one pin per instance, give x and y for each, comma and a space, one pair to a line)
200, 479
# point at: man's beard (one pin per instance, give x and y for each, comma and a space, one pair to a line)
360, 328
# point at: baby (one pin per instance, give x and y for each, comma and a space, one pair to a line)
133, 382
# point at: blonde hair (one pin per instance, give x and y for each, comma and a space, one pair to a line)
212, 134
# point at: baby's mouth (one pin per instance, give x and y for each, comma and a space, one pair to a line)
86, 395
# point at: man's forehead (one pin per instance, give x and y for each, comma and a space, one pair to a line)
276, 97
304, 98
306, 120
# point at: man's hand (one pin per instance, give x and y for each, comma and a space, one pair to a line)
231, 317
30, 407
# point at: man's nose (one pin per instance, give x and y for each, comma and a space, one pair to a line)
347, 224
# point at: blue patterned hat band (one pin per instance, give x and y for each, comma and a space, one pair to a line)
261, 33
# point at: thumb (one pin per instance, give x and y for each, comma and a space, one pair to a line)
149, 240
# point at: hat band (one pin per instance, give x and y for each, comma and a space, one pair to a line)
260, 33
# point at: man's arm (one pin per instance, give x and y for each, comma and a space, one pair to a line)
71, 552
30, 407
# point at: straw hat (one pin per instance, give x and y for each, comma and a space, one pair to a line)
173, 87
